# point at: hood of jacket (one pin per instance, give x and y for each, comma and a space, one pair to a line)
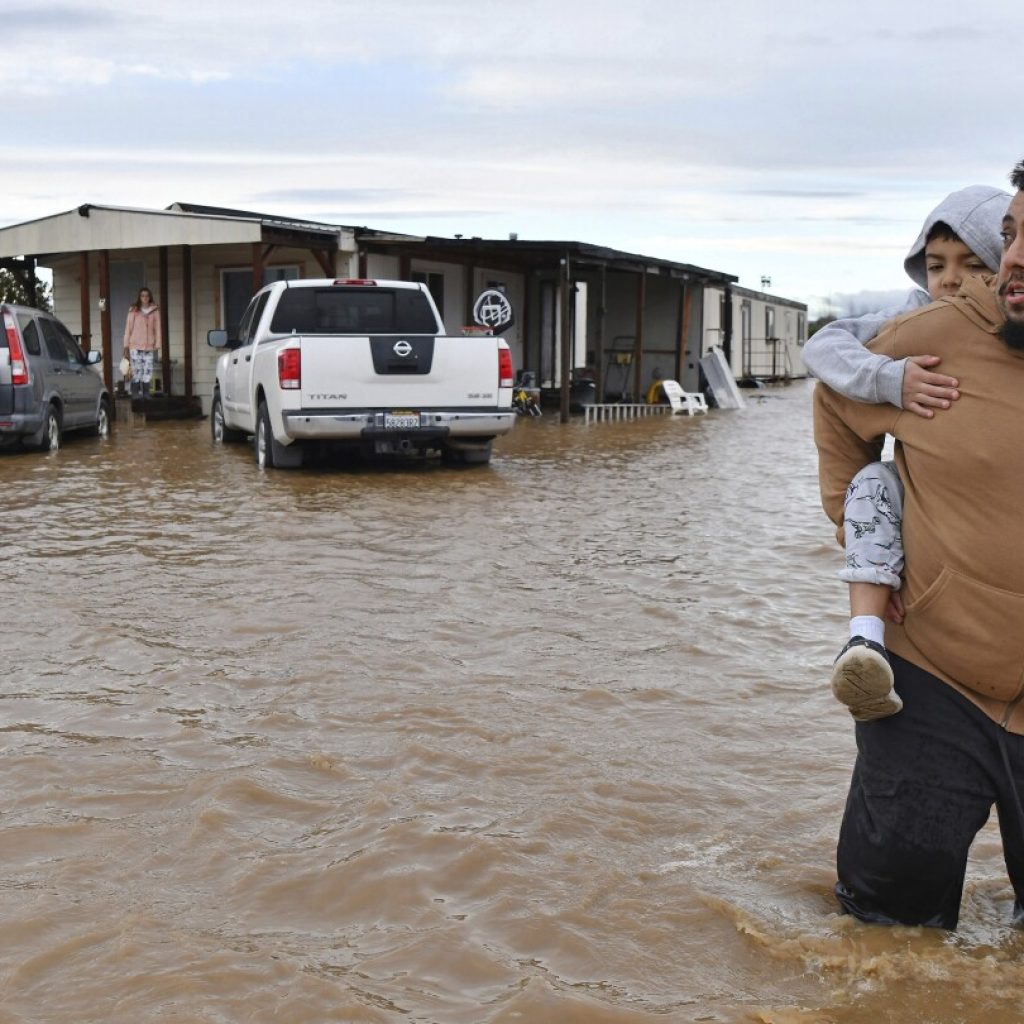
977, 301
976, 215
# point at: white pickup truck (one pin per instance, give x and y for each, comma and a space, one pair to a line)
364, 364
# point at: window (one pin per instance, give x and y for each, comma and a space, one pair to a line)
60, 346
435, 285
29, 334
769, 323
251, 320
236, 291
357, 311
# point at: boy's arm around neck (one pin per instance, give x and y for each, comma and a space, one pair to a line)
837, 355
849, 435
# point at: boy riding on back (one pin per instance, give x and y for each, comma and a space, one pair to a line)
960, 237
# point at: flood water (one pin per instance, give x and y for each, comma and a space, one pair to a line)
545, 741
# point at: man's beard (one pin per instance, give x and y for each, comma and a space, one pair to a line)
1012, 332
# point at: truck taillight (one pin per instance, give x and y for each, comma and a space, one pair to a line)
355, 280
506, 375
19, 366
289, 368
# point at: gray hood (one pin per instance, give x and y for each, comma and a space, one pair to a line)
976, 215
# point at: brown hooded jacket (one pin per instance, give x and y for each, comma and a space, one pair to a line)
963, 474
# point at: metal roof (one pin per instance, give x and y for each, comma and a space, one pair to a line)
268, 219
532, 252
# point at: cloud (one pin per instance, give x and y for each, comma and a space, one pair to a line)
800, 141
46, 17
847, 304
803, 193
333, 196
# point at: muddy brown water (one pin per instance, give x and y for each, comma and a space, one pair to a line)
546, 741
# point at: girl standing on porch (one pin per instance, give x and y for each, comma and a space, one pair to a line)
142, 341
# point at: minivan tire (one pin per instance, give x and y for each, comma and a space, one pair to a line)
104, 420
49, 437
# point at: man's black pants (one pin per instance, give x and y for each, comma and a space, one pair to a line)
923, 785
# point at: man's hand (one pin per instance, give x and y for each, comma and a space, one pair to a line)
923, 390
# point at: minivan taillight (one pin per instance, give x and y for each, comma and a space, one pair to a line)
506, 375
19, 365
289, 368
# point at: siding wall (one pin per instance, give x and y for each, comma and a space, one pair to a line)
758, 357
207, 312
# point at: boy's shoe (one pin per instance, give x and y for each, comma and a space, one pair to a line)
862, 680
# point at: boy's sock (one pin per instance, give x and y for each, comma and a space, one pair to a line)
871, 627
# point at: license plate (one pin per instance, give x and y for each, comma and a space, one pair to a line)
401, 420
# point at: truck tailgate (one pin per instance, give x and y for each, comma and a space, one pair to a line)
420, 372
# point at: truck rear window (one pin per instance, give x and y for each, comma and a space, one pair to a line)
353, 311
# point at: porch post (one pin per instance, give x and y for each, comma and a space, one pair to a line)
525, 332
186, 314
165, 349
638, 342
327, 264
108, 352
565, 340
685, 298
468, 272
257, 267
602, 318
727, 324
83, 291
28, 277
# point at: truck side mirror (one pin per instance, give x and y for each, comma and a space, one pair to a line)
217, 339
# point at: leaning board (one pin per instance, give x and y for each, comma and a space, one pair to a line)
720, 380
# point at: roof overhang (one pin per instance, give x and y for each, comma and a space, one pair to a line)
528, 255
91, 228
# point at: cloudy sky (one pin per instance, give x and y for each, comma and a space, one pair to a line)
790, 139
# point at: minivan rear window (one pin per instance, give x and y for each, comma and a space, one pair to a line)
353, 311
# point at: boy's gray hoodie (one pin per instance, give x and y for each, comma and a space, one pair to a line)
836, 354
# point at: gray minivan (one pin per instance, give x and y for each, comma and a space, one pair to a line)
47, 384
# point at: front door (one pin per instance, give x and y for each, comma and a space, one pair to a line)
126, 278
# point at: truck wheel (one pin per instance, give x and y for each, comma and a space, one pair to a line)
221, 433
270, 454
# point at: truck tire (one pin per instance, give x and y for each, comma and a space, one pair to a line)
270, 454
219, 431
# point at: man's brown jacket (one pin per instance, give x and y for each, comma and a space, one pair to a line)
963, 510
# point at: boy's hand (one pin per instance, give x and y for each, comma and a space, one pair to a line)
895, 612
924, 390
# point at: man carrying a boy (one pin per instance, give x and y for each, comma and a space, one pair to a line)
926, 779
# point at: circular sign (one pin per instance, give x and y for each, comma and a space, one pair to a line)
492, 309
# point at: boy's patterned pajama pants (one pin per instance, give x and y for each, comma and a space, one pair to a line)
873, 521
